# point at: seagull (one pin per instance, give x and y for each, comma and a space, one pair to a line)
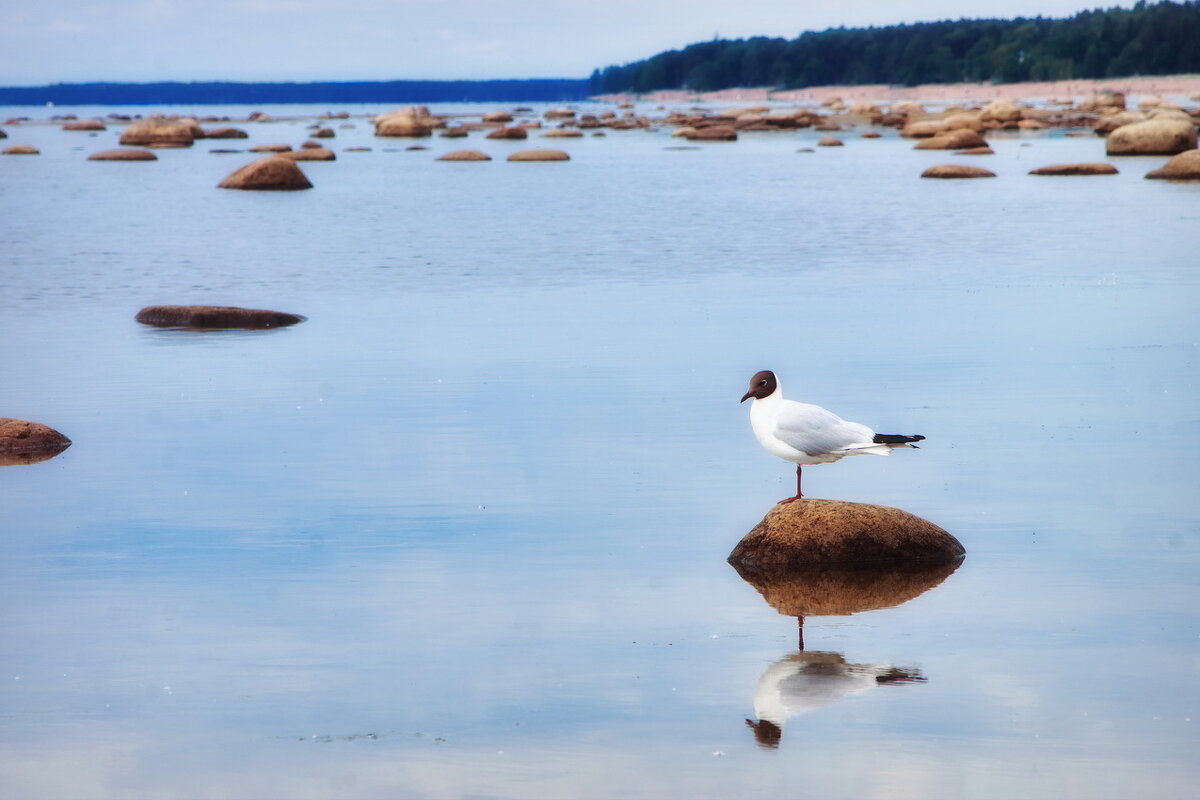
808, 434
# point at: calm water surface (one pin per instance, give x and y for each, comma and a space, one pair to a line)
462, 534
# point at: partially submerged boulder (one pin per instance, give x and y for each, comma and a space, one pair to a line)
273, 173
411, 122
1161, 136
271, 148
226, 133
806, 533
517, 132
539, 155
310, 154
563, 133
24, 442
712, 133
464, 155
830, 141
1097, 168
85, 125
1183, 167
130, 154
215, 317
957, 171
21, 150
957, 139
158, 130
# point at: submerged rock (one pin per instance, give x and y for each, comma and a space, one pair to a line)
273, 173
1097, 168
160, 131
539, 155
464, 155
215, 317
310, 154
21, 150
24, 442
123, 155
957, 139
824, 532
517, 132
1183, 167
85, 125
957, 171
830, 141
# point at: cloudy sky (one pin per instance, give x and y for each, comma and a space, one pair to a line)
145, 40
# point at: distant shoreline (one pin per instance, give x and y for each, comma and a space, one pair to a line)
1186, 86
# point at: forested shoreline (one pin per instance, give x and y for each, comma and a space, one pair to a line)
1149, 39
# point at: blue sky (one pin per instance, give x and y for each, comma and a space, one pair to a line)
147, 40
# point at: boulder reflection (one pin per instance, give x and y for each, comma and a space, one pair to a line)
802, 681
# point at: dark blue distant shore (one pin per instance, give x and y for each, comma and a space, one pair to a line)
547, 90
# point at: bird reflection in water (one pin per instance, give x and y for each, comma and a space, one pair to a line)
805, 681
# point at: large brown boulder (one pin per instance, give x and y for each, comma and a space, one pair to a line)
226, 133
1161, 136
272, 173
806, 533
957, 171
159, 131
498, 116
412, 122
464, 155
539, 155
85, 125
310, 154
214, 317
1000, 112
24, 442
1110, 122
963, 119
1096, 168
956, 139
130, 154
923, 128
1183, 167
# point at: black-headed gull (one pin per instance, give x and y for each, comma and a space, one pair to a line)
808, 434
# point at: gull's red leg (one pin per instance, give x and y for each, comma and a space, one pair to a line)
799, 494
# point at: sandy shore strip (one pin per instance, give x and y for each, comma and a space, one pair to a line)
1176, 88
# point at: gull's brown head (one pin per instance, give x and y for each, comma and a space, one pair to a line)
763, 384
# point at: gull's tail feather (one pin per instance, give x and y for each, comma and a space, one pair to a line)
897, 439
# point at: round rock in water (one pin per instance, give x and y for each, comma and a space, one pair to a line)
215, 317
806, 533
1183, 167
957, 171
267, 174
464, 155
24, 442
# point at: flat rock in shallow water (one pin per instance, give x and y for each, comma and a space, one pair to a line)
24, 442
214, 317
123, 154
957, 171
539, 155
824, 532
1098, 168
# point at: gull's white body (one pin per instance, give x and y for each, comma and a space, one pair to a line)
806, 434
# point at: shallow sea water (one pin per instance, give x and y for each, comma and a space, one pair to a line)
462, 533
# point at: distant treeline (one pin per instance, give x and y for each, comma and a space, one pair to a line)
1158, 39
229, 93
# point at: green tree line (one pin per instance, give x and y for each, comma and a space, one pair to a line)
1149, 39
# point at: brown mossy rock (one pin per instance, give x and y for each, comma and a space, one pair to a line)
130, 154
830, 141
273, 173
957, 139
310, 154
957, 171
1182, 167
226, 133
24, 442
21, 150
1097, 168
1161, 136
215, 317
85, 125
464, 155
539, 155
834, 590
517, 132
806, 533
159, 131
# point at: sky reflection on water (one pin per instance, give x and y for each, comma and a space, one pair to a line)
462, 533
